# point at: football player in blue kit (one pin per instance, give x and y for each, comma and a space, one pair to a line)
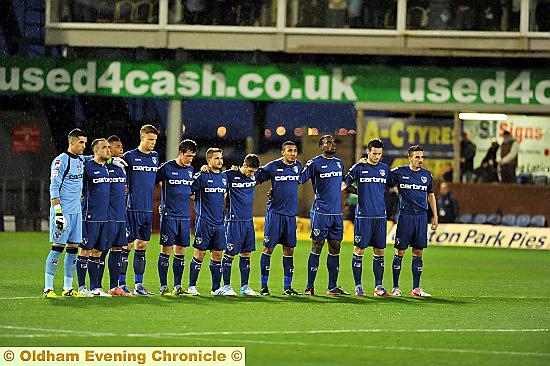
143, 163
95, 212
116, 238
176, 178
370, 175
415, 186
209, 189
239, 222
280, 218
65, 213
325, 172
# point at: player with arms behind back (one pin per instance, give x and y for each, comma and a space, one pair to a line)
370, 175
280, 217
325, 172
143, 163
415, 185
176, 177
240, 226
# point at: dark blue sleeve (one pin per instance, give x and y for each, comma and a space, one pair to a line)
349, 179
196, 182
392, 179
307, 172
160, 173
263, 174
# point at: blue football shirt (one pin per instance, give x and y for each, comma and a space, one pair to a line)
284, 181
176, 189
326, 180
117, 196
141, 175
240, 198
371, 182
96, 192
66, 173
209, 189
413, 187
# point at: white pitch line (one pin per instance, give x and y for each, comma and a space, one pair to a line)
278, 332
68, 331
331, 345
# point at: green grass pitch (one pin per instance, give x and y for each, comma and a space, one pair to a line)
489, 307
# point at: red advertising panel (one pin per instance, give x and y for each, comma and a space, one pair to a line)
26, 139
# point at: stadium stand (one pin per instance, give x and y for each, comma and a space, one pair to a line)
523, 220
480, 219
464, 219
525, 178
540, 180
494, 219
537, 221
508, 220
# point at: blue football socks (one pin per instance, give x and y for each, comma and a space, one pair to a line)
416, 271
194, 270
81, 269
69, 265
244, 267
227, 263
288, 271
51, 268
265, 261
216, 272
396, 267
312, 267
357, 268
178, 264
333, 267
114, 267
162, 264
139, 265
378, 269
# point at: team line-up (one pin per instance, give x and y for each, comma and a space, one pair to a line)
103, 204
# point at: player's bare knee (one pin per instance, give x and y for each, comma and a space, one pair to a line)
141, 245
216, 255
268, 251
417, 252
378, 251
400, 252
116, 249
245, 255
166, 250
288, 251
317, 246
358, 251
179, 250
334, 247
96, 252
199, 254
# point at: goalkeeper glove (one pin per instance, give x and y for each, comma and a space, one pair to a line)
60, 221
118, 162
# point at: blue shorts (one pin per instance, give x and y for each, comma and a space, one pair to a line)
209, 237
369, 231
240, 237
412, 231
73, 232
279, 229
95, 235
139, 225
329, 227
116, 234
174, 231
